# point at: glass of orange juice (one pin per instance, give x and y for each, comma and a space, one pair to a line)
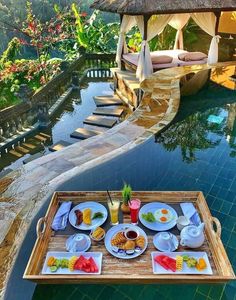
114, 210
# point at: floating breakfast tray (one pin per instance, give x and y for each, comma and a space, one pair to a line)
138, 270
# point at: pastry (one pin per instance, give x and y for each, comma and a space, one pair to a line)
129, 245
98, 233
87, 216
140, 241
79, 217
118, 239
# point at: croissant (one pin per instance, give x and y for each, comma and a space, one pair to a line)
140, 241
129, 245
118, 239
87, 216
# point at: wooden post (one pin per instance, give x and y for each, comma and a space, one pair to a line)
217, 14
145, 20
122, 62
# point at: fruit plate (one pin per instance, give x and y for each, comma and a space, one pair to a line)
95, 207
157, 226
121, 228
97, 257
158, 269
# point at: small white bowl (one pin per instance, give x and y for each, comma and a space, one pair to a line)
128, 230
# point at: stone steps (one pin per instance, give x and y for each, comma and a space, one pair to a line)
111, 112
15, 153
101, 101
32, 157
83, 133
100, 121
58, 146
22, 149
28, 145
40, 138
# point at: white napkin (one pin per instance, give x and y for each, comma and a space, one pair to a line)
61, 216
190, 212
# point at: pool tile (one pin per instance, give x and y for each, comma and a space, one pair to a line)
232, 241
233, 210
216, 291
217, 204
204, 289
223, 182
226, 207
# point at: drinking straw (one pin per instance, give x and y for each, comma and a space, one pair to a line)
109, 197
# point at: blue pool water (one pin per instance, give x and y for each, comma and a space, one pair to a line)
192, 154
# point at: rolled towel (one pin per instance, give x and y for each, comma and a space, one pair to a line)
190, 212
61, 216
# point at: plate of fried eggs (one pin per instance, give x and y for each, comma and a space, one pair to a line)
164, 216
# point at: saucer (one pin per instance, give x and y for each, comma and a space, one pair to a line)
71, 238
175, 243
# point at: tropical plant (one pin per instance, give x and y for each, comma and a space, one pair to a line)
126, 193
87, 34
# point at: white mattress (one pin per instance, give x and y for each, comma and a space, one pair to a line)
176, 62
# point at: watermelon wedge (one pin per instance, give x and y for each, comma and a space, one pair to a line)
94, 267
166, 262
86, 265
159, 260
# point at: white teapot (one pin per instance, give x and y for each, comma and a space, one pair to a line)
192, 236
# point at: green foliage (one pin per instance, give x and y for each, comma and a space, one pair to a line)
11, 52
126, 193
87, 34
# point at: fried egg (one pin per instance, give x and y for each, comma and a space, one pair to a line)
163, 215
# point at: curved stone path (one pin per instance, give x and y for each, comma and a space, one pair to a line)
34, 182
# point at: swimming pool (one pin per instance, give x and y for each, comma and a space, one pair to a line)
69, 116
192, 154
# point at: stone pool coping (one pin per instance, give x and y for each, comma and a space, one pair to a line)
33, 183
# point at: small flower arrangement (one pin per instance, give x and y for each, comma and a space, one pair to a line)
126, 196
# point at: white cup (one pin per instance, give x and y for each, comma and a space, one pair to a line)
164, 241
77, 243
182, 222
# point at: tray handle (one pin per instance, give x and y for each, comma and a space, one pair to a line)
217, 226
40, 227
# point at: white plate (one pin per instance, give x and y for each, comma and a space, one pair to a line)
158, 269
122, 227
69, 240
175, 243
95, 207
157, 226
97, 256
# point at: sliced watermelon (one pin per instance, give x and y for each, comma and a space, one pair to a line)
80, 262
94, 268
160, 260
170, 262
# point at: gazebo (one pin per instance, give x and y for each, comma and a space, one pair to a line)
152, 16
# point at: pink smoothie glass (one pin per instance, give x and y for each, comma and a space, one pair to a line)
134, 206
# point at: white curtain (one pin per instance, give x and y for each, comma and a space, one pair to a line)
127, 23
178, 22
207, 21
156, 24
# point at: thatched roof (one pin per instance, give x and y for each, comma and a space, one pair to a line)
140, 7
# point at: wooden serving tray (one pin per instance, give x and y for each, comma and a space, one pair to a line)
137, 270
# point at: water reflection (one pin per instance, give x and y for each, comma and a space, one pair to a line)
191, 131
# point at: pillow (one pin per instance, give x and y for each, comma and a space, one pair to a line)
192, 56
161, 59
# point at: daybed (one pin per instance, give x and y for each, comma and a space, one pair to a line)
131, 59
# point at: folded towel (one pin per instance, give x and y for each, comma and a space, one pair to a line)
190, 212
61, 217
